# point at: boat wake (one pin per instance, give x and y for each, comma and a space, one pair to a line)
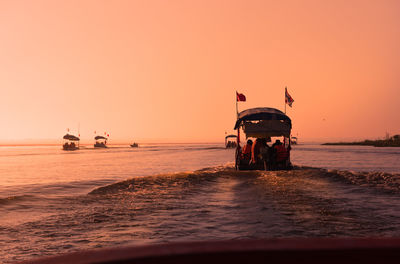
215, 203
182, 179
387, 182
380, 180
15, 199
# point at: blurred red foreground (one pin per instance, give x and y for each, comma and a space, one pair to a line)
304, 250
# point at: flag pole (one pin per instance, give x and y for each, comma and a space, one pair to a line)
238, 129
284, 139
285, 99
237, 111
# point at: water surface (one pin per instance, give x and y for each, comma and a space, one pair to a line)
55, 202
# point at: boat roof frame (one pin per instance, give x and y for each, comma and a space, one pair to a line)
71, 137
261, 113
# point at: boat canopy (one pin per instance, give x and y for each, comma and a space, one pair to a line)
264, 122
230, 136
99, 137
70, 137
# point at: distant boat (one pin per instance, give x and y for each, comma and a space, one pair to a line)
71, 142
293, 140
230, 143
101, 142
135, 145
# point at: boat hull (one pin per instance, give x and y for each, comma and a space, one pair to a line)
285, 251
70, 148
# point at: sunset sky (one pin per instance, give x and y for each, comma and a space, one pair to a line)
168, 70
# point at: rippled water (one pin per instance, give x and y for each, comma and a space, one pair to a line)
55, 202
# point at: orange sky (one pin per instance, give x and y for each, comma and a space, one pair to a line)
168, 70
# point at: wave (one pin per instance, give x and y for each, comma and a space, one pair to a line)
171, 179
182, 180
350, 149
380, 180
205, 148
15, 199
388, 182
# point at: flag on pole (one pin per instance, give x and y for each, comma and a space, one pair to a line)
240, 97
288, 99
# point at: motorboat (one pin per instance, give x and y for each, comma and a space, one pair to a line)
70, 142
100, 142
262, 124
134, 145
229, 143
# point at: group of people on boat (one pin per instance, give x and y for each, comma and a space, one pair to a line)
260, 155
100, 144
231, 144
70, 145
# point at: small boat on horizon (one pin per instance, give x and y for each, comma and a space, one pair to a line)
230, 143
101, 142
134, 145
71, 142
